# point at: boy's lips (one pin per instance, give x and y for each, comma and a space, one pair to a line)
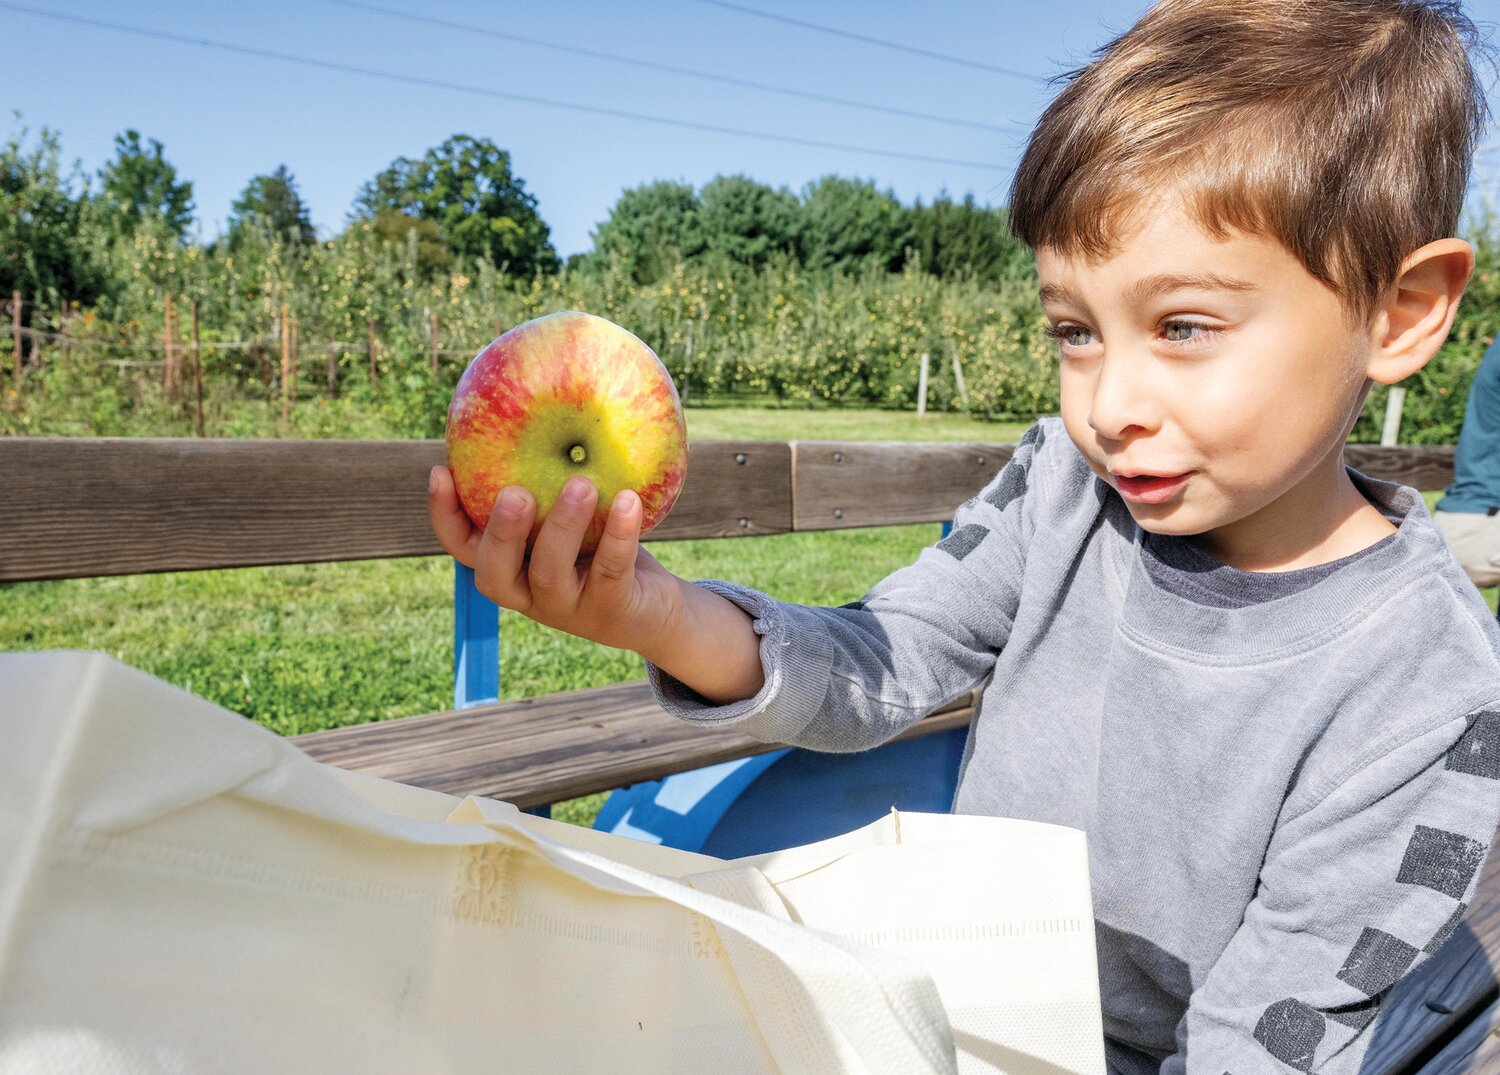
1150, 488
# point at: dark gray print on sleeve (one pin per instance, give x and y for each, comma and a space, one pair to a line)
963, 540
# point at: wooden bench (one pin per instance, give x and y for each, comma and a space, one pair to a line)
72, 508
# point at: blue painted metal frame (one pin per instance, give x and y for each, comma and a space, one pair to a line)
476, 642
476, 648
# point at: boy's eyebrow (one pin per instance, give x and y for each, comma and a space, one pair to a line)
1159, 284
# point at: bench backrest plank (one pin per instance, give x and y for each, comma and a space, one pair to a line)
73, 507
84, 507
839, 484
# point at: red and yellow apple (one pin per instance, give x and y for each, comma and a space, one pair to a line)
568, 393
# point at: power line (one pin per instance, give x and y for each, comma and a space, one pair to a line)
650, 65
898, 46
486, 92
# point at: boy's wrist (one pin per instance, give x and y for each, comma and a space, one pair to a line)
710, 645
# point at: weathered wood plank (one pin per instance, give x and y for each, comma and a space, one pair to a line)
1423, 467
1475, 1050
839, 484
74, 507
734, 488
547, 749
842, 484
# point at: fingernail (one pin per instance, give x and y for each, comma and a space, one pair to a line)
432, 480
512, 504
576, 491
622, 501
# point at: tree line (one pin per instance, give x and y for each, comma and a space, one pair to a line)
462, 203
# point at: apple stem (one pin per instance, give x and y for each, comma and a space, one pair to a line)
576, 453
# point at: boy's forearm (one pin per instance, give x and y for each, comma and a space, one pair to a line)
713, 648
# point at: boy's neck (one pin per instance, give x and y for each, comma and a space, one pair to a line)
1321, 519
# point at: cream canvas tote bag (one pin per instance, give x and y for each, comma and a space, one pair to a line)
183, 891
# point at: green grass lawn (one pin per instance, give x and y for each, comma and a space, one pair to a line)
766, 423
304, 647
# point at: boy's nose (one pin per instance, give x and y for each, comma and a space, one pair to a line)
1123, 400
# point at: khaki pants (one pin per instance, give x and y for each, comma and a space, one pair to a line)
1475, 541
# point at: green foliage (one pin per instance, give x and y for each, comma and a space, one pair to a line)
271, 206
962, 238
44, 249
746, 223
847, 224
432, 253
465, 187
141, 186
649, 229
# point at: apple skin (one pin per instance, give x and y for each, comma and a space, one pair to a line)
563, 394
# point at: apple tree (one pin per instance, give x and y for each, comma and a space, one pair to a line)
44, 239
466, 187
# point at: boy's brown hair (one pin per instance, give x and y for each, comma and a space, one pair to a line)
1343, 129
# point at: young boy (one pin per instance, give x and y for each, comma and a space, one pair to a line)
1256, 678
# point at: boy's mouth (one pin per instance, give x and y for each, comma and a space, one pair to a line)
1150, 488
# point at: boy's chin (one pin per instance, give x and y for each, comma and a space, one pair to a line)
1167, 520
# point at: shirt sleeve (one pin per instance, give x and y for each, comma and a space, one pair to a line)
850, 678
1355, 892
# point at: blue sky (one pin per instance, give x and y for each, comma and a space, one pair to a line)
225, 116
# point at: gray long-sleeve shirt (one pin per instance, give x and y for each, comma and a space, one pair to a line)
1289, 781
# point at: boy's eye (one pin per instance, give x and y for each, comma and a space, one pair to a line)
1070, 335
1182, 331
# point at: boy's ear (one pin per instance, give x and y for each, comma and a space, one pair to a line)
1418, 311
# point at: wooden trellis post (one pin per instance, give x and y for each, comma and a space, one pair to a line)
296, 355
62, 329
286, 366
333, 367
958, 375
169, 372
15, 336
197, 375
922, 388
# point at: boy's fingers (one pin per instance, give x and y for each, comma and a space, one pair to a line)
500, 568
555, 582
613, 566
455, 532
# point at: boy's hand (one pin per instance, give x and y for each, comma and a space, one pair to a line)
620, 597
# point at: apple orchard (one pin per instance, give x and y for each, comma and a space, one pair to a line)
824, 298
